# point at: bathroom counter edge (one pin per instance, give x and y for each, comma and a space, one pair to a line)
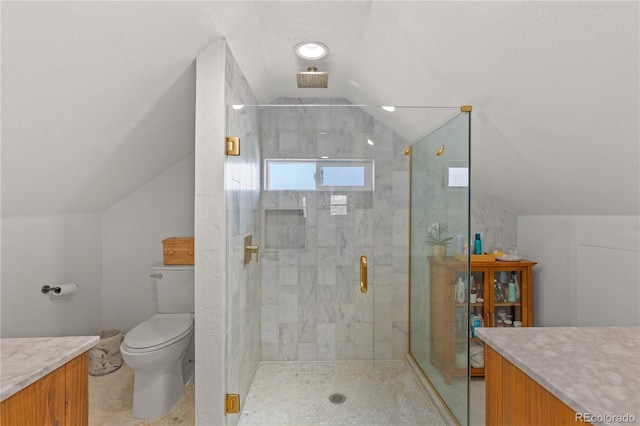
23, 361
591, 369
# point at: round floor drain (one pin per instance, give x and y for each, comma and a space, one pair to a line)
337, 398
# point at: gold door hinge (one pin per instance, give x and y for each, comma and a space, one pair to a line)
466, 108
233, 403
233, 145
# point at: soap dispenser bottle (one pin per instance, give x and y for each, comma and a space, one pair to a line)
460, 291
477, 245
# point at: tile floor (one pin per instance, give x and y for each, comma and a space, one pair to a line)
296, 393
453, 395
111, 395
477, 406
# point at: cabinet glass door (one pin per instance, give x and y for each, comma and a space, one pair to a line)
507, 298
477, 315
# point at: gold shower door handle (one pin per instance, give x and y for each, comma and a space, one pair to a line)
363, 274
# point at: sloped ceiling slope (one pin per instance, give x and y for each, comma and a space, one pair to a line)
98, 97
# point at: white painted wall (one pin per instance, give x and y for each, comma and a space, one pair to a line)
219, 82
132, 234
50, 250
588, 271
210, 236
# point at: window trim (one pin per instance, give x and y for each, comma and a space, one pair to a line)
368, 164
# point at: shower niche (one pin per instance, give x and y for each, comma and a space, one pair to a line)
284, 229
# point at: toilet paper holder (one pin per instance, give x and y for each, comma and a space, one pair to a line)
60, 290
47, 288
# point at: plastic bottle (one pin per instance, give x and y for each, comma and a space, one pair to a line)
477, 323
460, 291
459, 244
512, 292
517, 284
477, 245
480, 290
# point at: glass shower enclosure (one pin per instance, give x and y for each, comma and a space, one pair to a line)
439, 264
319, 229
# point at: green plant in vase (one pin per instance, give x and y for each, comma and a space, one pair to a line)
437, 240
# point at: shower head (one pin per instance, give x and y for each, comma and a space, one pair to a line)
312, 79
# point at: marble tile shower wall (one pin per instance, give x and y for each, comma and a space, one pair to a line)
312, 308
497, 224
242, 191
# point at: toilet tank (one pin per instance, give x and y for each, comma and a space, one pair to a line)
174, 288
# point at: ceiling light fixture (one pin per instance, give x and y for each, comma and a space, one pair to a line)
237, 107
370, 142
311, 50
389, 108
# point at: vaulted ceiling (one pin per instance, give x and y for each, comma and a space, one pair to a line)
98, 97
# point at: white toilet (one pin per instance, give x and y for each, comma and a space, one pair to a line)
160, 350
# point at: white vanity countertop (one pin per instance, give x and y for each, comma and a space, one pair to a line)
26, 360
593, 370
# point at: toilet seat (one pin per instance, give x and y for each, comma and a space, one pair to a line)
159, 331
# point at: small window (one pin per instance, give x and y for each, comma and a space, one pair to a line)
342, 176
458, 177
291, 175
318, 175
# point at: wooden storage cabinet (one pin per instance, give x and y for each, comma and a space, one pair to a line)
59, 398
451, 321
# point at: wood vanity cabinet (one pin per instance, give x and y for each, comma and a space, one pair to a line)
518, 399
450, 321
60, 398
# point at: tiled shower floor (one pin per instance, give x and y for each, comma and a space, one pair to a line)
297, 393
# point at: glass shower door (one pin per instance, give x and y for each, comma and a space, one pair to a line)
317, 227
304, 301
439, 308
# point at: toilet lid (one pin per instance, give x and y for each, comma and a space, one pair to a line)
159, 330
